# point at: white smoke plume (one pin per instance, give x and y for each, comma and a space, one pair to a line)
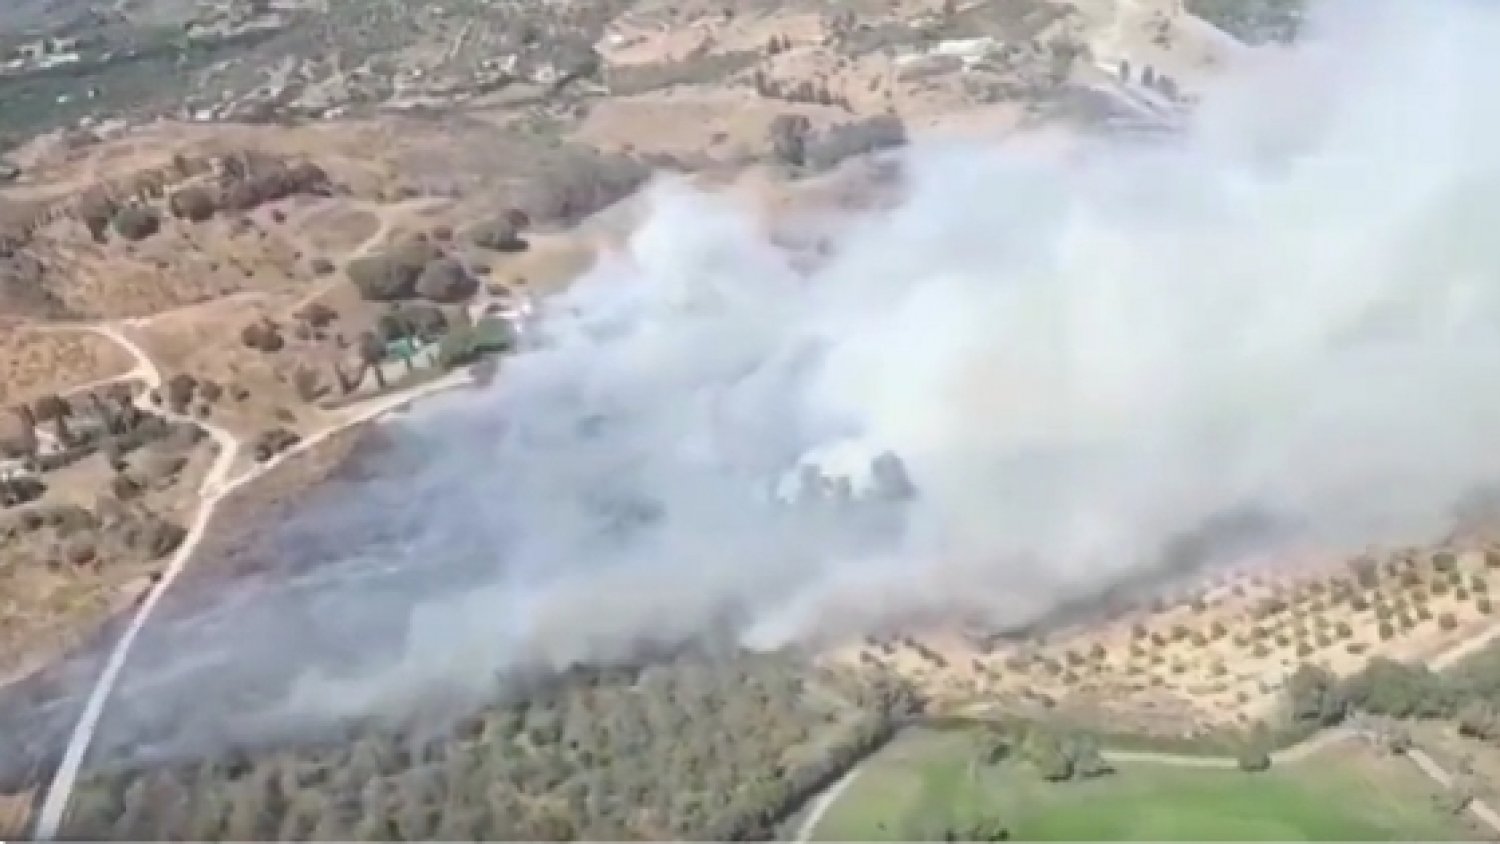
1293, 310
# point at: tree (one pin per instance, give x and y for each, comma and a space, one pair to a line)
500, 234
790, 134
195, 204
995, 746
372, 354
96, 208
136, 222
20, 437
1046, 752
180, 390
52, 408
305, 381
392, 275
1398, 690
1088, 762
1253, 759
447, 281
1315, 698
1479, 719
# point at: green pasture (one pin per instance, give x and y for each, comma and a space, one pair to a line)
927, 779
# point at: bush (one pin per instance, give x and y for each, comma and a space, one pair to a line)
1447, 622
262, 336
318, 314
501, 234
463, 345
1253, 759
412, 320
393, 275
180, 389
136, 223
579, 183
446, 280
861, 137
195, 204
1387, 687
789, 135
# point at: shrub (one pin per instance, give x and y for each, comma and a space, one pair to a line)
195, 204
262, 336
136, 223
446, 280
1447, 622
1253, 759
318, 314
393, 275
579, 183
501, 234
860, 137
789, 134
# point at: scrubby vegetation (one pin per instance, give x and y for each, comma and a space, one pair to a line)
795, 142
706, 747
1253, 21
579, 182
1469, 694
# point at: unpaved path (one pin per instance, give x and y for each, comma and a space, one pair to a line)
821, 804
216, 487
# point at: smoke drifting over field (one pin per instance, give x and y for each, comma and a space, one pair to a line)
1296, 311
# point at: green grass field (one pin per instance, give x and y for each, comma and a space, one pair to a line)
1342, 794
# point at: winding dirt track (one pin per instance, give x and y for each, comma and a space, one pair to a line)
216, 486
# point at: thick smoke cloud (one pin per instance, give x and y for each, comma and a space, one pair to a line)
1293, 312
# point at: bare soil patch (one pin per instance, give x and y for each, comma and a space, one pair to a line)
38, 363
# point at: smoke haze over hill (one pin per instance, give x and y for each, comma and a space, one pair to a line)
1293, 311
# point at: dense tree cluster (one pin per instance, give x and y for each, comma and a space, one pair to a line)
701, 747
1253, 21
392, 275
795, 142
579, 182
1469, 694
136, 222
501, 233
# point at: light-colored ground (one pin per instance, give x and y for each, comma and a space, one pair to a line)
1217, 655
34, 364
